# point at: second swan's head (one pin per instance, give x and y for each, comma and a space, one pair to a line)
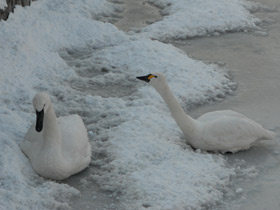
157, 80
41, 102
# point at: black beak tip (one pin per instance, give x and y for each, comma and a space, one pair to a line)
39, 129
39, 120
144, 78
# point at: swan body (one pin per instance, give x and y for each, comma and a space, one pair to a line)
218, 131
57, 147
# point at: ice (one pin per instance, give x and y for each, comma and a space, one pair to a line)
137, 14
3, 4
254, 63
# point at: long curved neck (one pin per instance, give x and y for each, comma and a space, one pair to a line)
186, 123
52, 134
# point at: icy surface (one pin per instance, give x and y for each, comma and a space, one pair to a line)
89, 68
186, 18
3, 4
254, 62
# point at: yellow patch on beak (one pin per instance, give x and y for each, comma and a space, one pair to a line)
151, 76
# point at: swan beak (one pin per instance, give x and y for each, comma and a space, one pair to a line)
39, 120
146, 78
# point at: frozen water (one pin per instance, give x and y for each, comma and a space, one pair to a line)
3, 4
91, 196
137, 14
254, 63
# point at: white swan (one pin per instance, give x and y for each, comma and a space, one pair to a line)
218, 131
57, 148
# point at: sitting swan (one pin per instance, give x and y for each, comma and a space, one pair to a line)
57, 148
218, 131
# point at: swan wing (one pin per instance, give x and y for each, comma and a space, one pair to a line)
210, 116
231, 134
75, 143
32, 142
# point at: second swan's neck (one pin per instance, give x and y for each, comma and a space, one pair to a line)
186, 123
52, 134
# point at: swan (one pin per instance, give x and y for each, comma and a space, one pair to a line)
218, 131
56, 147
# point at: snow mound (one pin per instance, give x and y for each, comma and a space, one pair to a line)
194, 82
186, 18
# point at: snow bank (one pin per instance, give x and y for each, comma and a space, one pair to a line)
193, 81
186, 18
138, 151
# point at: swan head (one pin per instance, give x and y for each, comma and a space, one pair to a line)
41, 102
157, 80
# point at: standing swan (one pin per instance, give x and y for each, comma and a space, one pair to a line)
57, 148
218, 131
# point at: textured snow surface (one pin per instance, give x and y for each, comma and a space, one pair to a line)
187, 18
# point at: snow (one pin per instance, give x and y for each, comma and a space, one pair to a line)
200, 18
239, 191
89, 67
3, 4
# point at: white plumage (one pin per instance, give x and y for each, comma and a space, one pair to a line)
57, 148
218, 131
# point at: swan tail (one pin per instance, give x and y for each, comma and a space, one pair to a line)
268, 135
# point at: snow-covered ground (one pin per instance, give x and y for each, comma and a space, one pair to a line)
89, 67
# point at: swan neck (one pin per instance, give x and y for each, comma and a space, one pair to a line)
52, 135
186, 123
